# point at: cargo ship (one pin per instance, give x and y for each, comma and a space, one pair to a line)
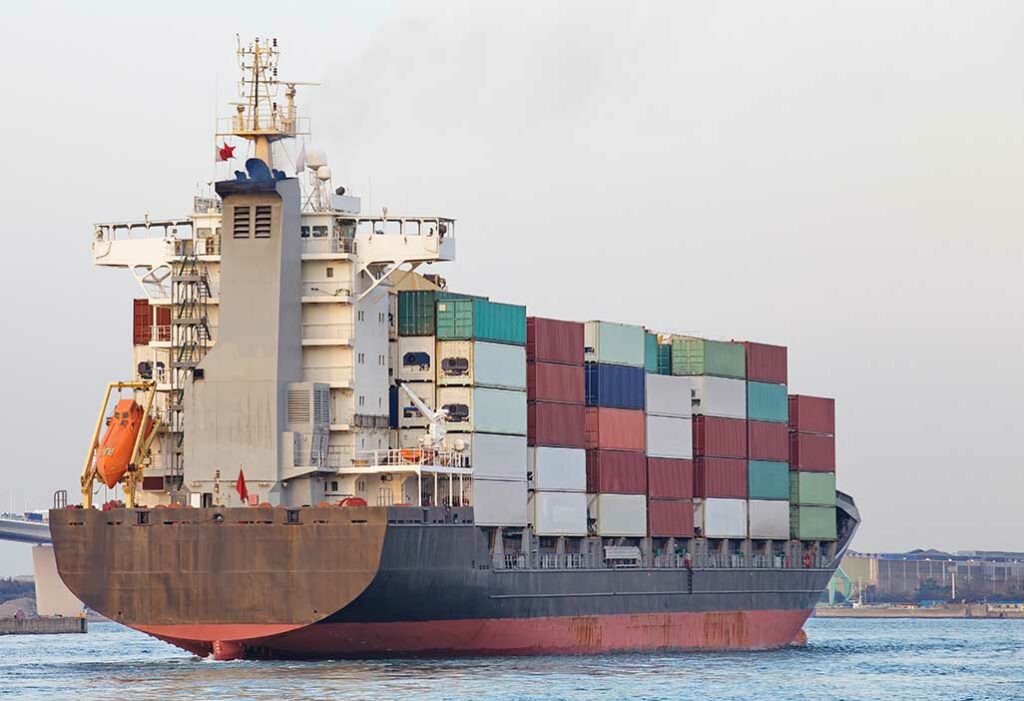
324, 451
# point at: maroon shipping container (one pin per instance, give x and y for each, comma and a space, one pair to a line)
142, 322
812, 452
767, 363
812, 414
616, 472
669, 478
554, 341
616, 429
560, 425
551, 382
725, 478
767, 440
669, 518
720, 438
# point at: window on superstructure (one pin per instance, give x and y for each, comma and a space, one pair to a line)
241, 222
263, 220
334, 486
330, 272
319, 232
304, 232
361, 358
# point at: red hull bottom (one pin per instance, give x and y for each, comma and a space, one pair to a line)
729, 630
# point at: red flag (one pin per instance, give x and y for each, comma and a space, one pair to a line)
243, 493
225, 153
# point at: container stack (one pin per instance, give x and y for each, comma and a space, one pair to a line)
414, 362
669, 451
717, 372
481, 386
615, 428
767, 442
556, 411
812, 463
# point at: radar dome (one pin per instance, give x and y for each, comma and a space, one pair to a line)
323, 173
315, 158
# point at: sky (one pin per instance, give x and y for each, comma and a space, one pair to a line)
842, 178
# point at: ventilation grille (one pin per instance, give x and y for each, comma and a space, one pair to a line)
298, 406
321, 406
241, 223
263, 215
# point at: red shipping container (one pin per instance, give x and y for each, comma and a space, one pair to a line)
725, 478
615, 429
812, 414
554, 341
766, 363
669, 478
560, 425
616, 472
669, 518
551, 382
720, 438
142, 326
812, 452
163, 324
767, 440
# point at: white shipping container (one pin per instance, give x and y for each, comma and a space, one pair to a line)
618, 515
493, 456
481, 364
483, 409
768, 519
408, 415
719, 396
721, 518
392, 359
558, 469
499, 502
669, 437
558, 513
416, 358
668, 395
616, 344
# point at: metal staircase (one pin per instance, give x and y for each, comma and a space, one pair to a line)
190, 339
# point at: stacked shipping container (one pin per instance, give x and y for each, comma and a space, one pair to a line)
812, 465
615, 428
767, 442
555, 390
717, 373
669, 456
481, 377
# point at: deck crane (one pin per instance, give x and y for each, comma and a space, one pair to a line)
436, 432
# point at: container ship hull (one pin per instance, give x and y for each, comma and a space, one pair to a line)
369, 582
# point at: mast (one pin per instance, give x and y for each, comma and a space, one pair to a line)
258, 117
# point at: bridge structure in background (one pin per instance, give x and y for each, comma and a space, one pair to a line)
53, 598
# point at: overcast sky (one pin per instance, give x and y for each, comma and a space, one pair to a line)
842, 178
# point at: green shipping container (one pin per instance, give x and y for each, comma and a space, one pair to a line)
481, 320
812, 488
767, 402
417, 310
812, 522
651, 353
697, 356
664, 358
768, 480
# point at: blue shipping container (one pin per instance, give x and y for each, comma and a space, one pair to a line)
616, 386
393, 407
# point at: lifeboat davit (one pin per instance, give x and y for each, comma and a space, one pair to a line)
115, 450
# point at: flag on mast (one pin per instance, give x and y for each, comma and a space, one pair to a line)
225, 153
243, 492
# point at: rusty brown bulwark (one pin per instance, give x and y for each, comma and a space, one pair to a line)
218, 565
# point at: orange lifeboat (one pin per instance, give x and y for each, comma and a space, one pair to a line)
115, 450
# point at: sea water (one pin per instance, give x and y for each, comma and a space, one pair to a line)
937, 660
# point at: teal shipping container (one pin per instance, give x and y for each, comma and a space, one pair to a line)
812, 522
767, 402
664, 358
697, 356
417, 310
651, 353
768, 480
481, 320
812, 488
614, 344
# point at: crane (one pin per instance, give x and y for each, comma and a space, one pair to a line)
436, 432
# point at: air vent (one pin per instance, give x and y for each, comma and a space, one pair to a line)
263, 217
241, 222
457, 413
298, 406
455, 367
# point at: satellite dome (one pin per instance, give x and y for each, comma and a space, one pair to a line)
323, 173
315, 158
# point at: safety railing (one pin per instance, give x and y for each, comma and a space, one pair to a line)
414, 457
330, 245
568, 561
325, 289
